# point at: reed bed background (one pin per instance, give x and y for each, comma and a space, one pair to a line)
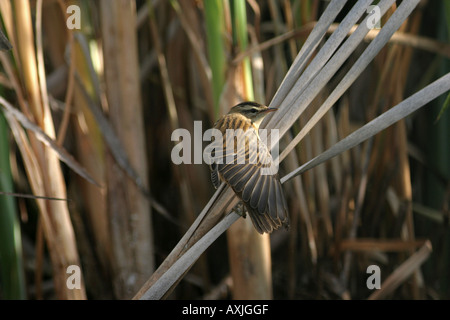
106, 98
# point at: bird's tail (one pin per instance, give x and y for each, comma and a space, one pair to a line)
265, 223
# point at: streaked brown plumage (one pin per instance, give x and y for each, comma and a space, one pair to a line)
260, 192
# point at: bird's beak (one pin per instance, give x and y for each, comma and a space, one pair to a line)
271, 109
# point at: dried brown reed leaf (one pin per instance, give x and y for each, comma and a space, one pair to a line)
388, 245
56, 221
63, 155
403, 272
406, 39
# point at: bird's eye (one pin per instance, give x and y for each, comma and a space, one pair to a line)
253, 110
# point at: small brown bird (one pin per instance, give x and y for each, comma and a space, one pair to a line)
250, 172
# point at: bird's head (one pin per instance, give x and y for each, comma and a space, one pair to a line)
253, 111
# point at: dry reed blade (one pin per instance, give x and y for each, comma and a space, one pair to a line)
311, 81
54, 214
400, 111
403, 272
207, 219
391, 245
171, 275
305, 53
406, 39
63, 155
30, 196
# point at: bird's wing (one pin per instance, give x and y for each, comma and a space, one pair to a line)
214, 151
252, 175
214, 175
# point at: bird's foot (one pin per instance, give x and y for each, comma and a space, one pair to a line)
240, 209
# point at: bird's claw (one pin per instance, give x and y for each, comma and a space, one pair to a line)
240, 209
